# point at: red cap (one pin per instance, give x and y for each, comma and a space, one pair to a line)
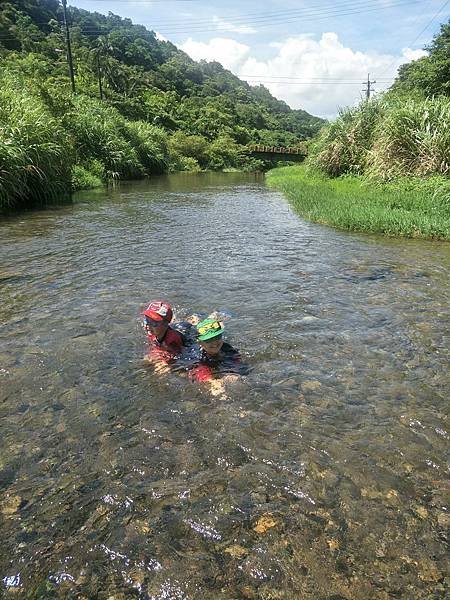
159, 311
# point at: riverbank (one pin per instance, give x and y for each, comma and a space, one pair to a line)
411, 207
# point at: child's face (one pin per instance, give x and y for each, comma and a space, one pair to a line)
212, 346
157, 328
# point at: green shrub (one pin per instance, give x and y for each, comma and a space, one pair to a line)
82, 179
184, 163
224, 152
183, 145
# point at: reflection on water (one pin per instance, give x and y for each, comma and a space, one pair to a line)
323, 474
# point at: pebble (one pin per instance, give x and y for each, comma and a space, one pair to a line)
264, 523
10, 505
311, 385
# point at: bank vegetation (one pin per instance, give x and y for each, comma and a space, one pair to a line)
384, 166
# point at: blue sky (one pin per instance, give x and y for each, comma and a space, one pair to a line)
314, 54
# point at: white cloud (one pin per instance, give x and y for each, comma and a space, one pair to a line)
413, 54
229, 53
225, 26
301, 65
160, 37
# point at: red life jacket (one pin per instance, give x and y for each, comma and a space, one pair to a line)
168, 347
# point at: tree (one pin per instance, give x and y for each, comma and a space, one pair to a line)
430, 74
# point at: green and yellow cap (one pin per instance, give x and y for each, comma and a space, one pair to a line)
208, 329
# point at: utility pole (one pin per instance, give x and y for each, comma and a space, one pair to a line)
368, 83
99, 74
69, 48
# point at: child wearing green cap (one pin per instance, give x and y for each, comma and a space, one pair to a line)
213, 356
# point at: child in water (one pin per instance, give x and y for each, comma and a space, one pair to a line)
165, 342
213, 356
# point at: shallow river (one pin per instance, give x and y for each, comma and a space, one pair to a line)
321, 475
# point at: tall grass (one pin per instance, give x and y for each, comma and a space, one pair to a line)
409, 208
387, 138
34, 150
126, 149
49, 148
343, 145
412, 137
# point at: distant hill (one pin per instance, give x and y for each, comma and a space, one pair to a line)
136, 65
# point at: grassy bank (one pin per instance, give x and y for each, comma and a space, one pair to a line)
410, 207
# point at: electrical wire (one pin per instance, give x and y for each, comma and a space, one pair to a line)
418, 36
357, 7
269, 18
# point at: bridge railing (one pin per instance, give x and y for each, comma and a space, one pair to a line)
276, 149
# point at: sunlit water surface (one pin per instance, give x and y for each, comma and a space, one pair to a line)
323, 473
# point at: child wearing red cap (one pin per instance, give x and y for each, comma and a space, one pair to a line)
165, 342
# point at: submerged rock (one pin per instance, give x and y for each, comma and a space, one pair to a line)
311, 385
236, 551
264, 523
10, 505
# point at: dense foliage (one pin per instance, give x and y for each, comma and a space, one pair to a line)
159, 110
430, 75
387, 138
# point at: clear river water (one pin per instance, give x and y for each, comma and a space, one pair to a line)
322, 474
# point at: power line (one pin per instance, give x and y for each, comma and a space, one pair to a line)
356, 80
418, 36
88, 32
266, 21
253, 17
270, 18
264, 81
307, 16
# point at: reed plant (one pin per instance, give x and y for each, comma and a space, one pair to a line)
412, 137
343, 145
387, 138
150, 144
126, 149
408, 208
34, 149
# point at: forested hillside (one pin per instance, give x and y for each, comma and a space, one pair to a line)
141, 105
